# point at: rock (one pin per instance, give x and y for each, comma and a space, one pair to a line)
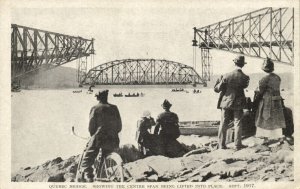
249, 164
281, 169
255, 166
185, 172
164, 167
72, 168
231, 160
56, 161
214, 178
69, 177
235, 172
152, 178
261, 148
253, 141
283, 156
270, 168
56, 178
27, 168
195, 161
265, 153
197, 151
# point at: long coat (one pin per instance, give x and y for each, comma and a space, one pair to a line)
168, 123
105, 124
269, 114
232, 87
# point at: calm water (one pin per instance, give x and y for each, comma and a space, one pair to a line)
42, 119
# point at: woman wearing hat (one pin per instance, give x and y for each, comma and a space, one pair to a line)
143, 133
269, 118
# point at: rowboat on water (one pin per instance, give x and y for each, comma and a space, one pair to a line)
118, 95
207, 128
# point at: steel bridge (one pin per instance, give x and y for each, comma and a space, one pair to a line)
142, 72
34, 49
267, 32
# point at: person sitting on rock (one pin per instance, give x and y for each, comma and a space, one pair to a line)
143, 133
167, 128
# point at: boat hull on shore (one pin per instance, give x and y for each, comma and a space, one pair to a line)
203, 128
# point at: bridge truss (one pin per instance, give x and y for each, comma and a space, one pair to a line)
267, 32
33, 49
142, 72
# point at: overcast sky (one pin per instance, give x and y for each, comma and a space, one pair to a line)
141, 30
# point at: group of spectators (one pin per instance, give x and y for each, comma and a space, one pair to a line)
105, 121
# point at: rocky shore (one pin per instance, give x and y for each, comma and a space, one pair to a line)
272, 161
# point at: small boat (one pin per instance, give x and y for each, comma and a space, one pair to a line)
77, 91
177, 90
196, 91
118, 95
207, 128
132, 95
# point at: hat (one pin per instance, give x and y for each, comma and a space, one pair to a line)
101, 94
166, 104
240, 61
146, 113
268, 65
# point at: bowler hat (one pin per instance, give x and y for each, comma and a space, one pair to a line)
166, 104
268, 65
240, 61
101, 94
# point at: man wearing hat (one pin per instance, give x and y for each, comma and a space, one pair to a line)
104, 126
232, 101
167, 128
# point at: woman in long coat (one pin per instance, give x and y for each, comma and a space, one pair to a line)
269, 118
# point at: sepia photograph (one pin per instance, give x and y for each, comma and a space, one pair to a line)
140, 92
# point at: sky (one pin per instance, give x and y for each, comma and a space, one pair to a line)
141, 30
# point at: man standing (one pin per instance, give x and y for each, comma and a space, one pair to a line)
232, 101
168, 129
104, 126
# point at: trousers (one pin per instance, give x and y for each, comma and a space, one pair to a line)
228, 115
89, 155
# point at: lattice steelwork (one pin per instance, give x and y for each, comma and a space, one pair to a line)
206, 66
142, 72
268, 32
33, 49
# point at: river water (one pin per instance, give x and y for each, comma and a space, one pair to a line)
42, 119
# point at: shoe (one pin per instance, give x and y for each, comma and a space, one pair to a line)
239, 147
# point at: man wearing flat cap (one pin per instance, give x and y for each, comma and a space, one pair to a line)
104, 126
232, 101
167, 128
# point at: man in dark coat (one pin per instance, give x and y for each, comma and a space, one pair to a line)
167, 128
104, 126
232, 101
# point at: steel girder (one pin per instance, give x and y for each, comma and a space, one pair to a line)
267, 32
142, 72
33, 49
